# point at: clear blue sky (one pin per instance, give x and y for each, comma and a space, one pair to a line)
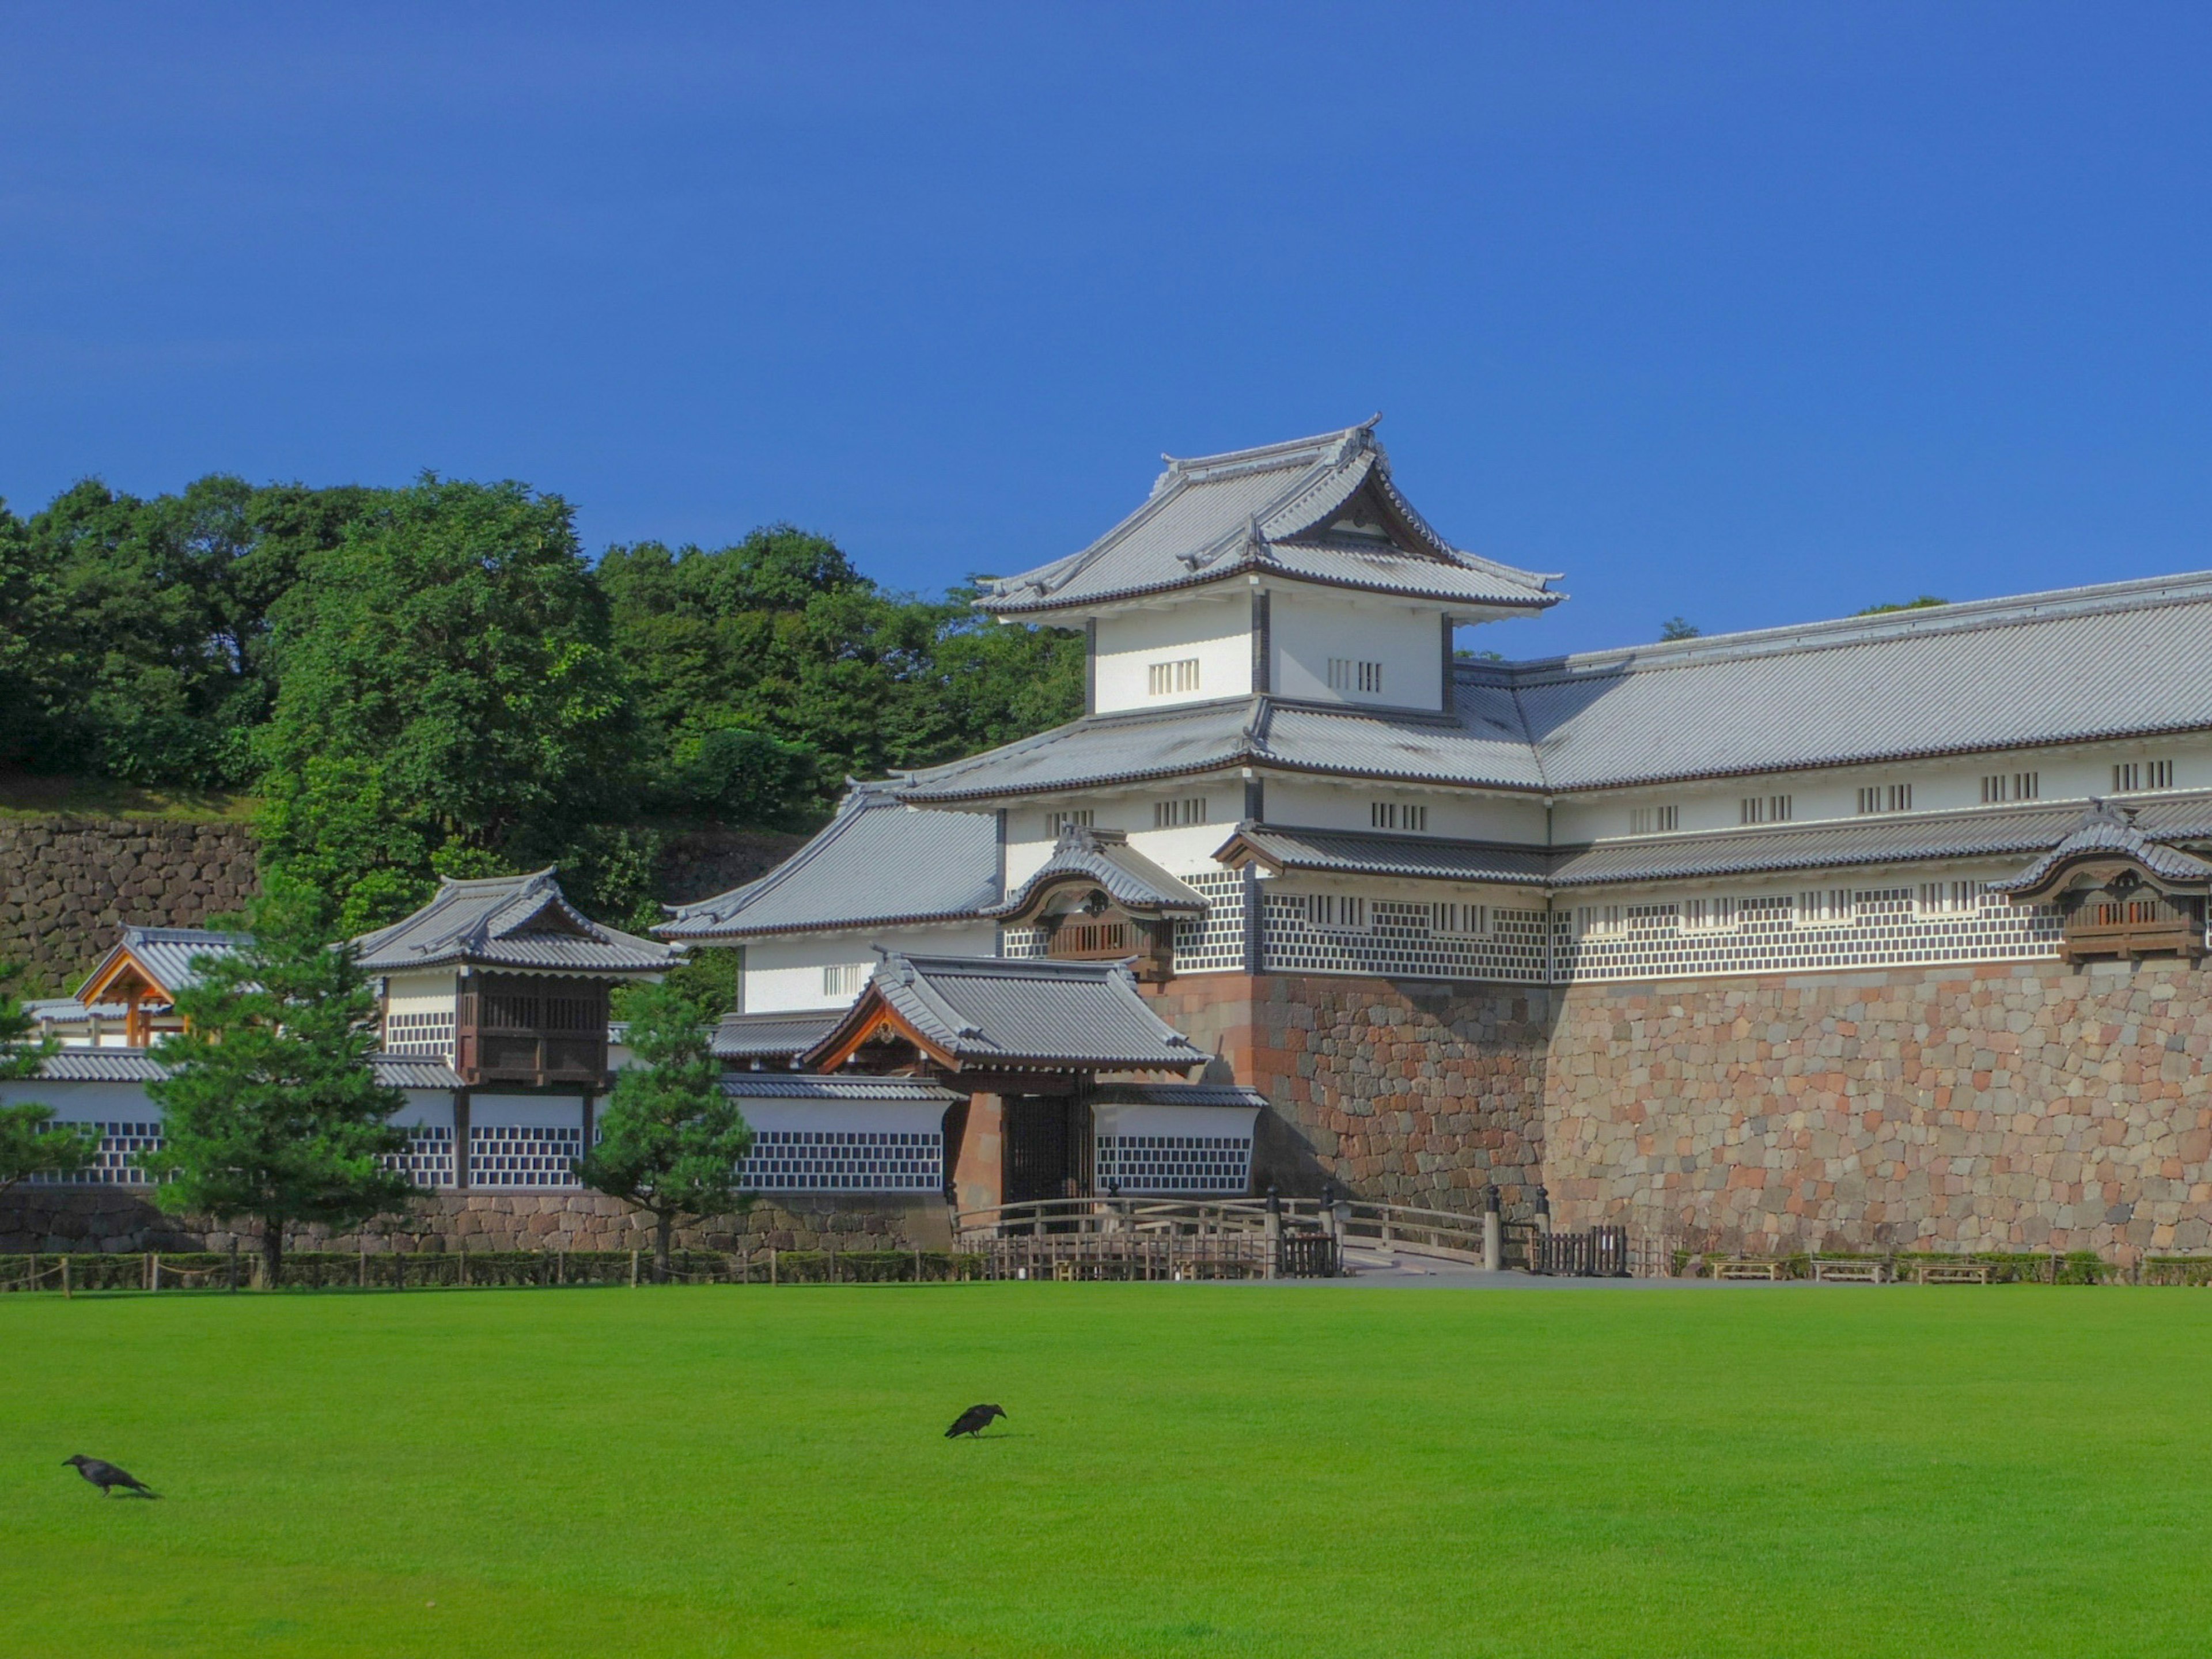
1755, 313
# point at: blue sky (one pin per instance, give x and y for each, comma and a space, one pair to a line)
1754, 313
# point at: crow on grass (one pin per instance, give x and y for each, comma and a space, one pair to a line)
107, 1477
973, 1421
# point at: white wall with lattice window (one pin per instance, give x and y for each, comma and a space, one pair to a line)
524, 1141
843, 1146
1174, 1148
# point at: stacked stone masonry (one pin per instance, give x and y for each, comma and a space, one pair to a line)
68, 886
2003, 1106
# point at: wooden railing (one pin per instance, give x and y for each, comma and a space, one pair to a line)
1349, 1224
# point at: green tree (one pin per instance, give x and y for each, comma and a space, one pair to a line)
1679, 628
273, 1114
153, 652
29, 1145
446, 687
671, 1138
1926, 601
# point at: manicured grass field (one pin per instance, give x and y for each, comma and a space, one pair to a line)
1186, 1470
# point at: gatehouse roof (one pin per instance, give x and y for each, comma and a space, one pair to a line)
159, 958
2106, 831
771, 1036
1323, 510
969, 1013
509, 922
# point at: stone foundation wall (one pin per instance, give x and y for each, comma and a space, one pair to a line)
67, 886
2016, 1107
123, 1218
1401, 1091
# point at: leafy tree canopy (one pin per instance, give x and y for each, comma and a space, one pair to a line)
1923, 603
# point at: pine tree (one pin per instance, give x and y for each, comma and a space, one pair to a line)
671, 1140
273, 1112
29, 1145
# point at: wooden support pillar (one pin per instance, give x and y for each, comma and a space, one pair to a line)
460, 1140
979, 1162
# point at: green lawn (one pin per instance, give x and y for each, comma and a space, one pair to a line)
1186, 1470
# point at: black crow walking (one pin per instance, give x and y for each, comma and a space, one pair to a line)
973, 1421
107, 1477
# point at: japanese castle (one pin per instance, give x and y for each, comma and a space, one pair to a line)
1307, 895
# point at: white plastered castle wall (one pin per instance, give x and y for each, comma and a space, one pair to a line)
2075, 772
1182, 850
1308, 629
419, 1013
784, 973
1456, 814
1214, 632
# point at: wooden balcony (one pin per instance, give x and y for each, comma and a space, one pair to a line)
2140, 924
541, 1033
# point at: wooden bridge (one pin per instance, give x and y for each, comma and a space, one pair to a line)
1125, 1237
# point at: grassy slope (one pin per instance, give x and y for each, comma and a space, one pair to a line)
23, 795
1203, 1470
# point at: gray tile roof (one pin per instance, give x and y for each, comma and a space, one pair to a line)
878, 863
166, 953
780, 1036
1177, 1094
1981, 832
2120, 660
2103, 830
140, 1066
409, 1071
1105, 857
102, 1066
1365, 852
1275, 510
509, 922
988, 1011
2116, 660
846, 1085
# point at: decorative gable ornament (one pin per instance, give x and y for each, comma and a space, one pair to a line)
2118, 893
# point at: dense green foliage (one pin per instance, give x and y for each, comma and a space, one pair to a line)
1241, 1470
669, 1139
437, 679
272, 1114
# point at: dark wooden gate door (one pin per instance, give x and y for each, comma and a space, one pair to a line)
1037, 1162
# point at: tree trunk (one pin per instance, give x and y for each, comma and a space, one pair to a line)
272, 1251
662, 1226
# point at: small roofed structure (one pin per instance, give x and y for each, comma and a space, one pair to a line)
988, 1022
506, 982
1099, 899
2119, 892
142, 975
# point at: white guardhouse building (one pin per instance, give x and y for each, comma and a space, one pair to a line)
1870, 931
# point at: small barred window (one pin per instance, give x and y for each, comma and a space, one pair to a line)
1164, 679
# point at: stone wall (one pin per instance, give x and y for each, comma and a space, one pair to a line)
2018, 1107
1404, 1092
123, 1218
68, 885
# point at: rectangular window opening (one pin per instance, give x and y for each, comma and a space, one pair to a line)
1166, 679
1768, 808
1177, 813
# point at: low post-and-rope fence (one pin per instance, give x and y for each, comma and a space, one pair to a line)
165, 1271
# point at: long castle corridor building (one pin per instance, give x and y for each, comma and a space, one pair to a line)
1878, 932
1884, 932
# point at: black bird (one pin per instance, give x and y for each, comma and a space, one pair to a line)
107, 1477
971, 1422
